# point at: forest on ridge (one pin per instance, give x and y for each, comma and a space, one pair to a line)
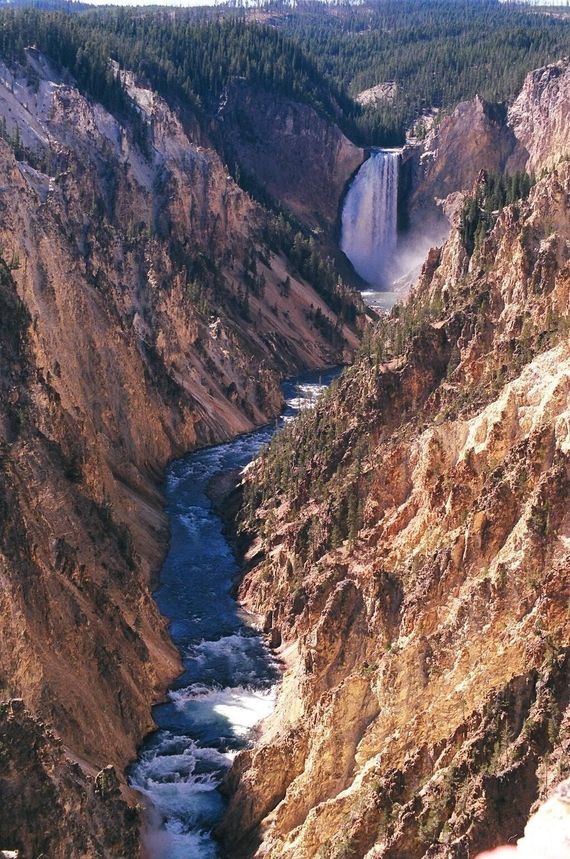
437, 52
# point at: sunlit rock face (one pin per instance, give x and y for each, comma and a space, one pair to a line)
547, 834
424, 708
143, 314
533, 134
539, 118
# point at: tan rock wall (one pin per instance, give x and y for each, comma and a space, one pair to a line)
150, 317
425, 702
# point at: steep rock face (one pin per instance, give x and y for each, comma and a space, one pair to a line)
297, 156
149, 308
473, 137
40, 784
540, 117
533, 134
410, 548
375, 95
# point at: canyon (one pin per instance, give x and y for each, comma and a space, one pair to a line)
163, 268
406, 544
131, 274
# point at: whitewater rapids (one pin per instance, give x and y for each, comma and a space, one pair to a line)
229, 680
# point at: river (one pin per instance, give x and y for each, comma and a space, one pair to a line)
229, 679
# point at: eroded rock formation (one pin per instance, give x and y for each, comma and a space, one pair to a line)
147, 307
472, 137
53, 805
532, 134
539, 117
410, 549
299, 158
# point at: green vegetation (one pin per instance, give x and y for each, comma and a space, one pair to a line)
438, 52
480, 211
323, 465
298, 465
188, 63
322, 456
280, 235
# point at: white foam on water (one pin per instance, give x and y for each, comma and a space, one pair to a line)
184, 799
307, 396
232, 647
174, 759
243, 658
242, 708
159, 763
180, 779
179, 773
379, 300
245, 710
167, 844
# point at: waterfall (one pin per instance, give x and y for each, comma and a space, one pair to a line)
370, 216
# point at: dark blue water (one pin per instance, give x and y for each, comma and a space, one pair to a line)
229, 678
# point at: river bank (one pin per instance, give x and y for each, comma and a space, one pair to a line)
229, 678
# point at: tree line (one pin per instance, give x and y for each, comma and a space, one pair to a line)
437, 52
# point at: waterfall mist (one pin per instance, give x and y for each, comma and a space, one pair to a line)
389, 262
370, 217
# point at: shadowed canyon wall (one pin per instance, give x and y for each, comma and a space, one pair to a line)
148, 306
300, 159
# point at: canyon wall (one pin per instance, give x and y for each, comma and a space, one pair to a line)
532, 134
408, 549
473, 137
298, 157
539, 118
149, 305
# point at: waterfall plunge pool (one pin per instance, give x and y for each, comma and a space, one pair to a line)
229, 677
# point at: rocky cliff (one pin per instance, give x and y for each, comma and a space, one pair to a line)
149, 305
42, 783
531, 134
539, 117
298, 157
409, 553
473, 137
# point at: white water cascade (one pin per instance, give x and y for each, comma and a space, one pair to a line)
229, 679
370, 217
